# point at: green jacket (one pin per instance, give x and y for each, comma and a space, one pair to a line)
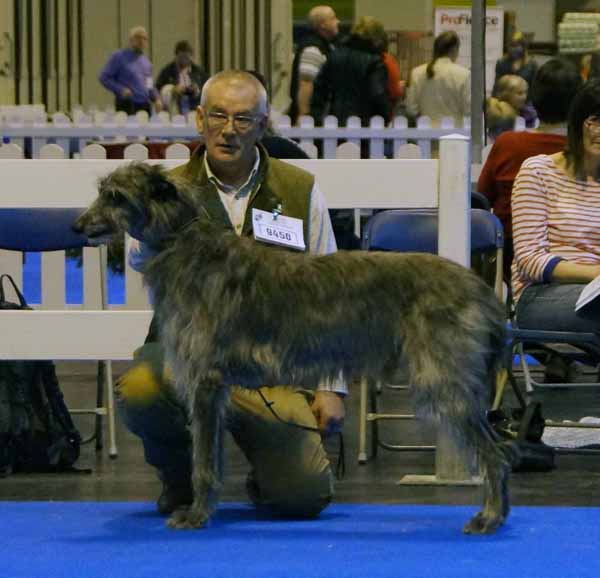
280, 183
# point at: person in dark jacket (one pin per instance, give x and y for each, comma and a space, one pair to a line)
311, 53
516, 61
180, 82
353, 81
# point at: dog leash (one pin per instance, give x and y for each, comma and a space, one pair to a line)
340, 468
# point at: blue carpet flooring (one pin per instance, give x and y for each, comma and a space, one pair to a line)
93, 539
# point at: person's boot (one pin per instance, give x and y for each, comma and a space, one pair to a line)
173, 496
561, 370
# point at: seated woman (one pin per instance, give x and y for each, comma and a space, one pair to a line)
552, 92
556, 225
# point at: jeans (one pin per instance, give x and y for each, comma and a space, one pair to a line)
551, 307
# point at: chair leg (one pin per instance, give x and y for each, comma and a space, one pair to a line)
374, 391
525, 367
362, 422
100, 378
501, 379
110, 411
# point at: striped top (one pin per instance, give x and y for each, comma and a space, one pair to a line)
555, 218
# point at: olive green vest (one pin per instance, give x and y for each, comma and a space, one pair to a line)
279, 183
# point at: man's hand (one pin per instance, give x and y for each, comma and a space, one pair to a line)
126, 93
329, 411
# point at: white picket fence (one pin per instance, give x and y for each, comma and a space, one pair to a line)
88, 333
32, 132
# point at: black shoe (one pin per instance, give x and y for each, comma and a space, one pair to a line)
172, 497
561, 370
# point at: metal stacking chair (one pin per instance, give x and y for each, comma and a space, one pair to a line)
408, 230
48, 230
582, 346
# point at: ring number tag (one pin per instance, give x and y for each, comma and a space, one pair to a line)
278, 230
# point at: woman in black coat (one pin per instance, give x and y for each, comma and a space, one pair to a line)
353, 80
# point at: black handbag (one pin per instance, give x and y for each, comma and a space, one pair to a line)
36, 429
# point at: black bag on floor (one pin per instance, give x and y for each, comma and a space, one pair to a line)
36, 429
524, 426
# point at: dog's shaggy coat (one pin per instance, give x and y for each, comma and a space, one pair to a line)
234, 311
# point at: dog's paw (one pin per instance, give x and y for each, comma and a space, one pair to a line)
189, 518
482, 524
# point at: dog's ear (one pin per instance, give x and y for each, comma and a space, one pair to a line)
161, 187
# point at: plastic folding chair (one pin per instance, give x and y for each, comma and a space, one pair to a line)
413, 230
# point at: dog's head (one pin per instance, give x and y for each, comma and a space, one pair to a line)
139, 199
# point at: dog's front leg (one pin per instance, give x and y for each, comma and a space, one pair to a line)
207, 413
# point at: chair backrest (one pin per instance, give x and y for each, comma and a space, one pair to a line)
410, 230
416, 230
480, 201
39, 229
48, 230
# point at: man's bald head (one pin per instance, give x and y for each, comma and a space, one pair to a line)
324, 21
138, 38
236, 79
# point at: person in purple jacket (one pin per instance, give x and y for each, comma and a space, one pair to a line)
128, 75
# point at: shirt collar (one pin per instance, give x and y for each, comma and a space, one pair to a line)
230, 189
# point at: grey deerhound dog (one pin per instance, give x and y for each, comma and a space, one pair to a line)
234, 311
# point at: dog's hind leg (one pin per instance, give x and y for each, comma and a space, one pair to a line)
494, 462
456, 397
207, 413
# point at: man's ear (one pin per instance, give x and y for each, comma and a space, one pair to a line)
261, 126
200, 119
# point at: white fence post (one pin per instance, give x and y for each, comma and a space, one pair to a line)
177, 151
354, 122
11, 151
52, 151
136, 152
424, 122
376, 144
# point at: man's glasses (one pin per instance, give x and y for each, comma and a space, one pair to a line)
241, 122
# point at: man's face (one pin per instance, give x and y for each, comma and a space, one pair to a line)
517, 94
183, 59
231, 123
329, 26
139, 42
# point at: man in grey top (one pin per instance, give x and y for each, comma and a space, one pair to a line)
290, 471
311, 54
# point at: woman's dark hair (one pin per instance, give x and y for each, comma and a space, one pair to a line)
443, 45
586, 103
553, 89
183, 46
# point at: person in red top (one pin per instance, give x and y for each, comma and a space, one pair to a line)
552, 91
395, 85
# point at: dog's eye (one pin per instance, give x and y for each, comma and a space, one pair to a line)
165, 190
